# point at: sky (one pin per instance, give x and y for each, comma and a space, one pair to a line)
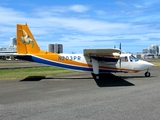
82, 24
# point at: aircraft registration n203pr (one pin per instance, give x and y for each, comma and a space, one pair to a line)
69, 57
96, 61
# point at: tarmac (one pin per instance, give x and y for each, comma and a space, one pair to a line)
118, 96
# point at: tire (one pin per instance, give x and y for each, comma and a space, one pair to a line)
147, 74
97, 77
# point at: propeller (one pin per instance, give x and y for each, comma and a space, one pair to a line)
120, 47
120, 54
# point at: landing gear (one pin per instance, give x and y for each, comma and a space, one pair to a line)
147, 74
97, 77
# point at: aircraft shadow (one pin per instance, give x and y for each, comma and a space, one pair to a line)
110, 80
33, 78
39, 78
106, 80
105, 76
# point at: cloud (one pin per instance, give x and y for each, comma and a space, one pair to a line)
57, 24
60, 10
89, 26
78, 8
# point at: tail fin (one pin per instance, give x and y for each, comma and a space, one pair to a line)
26, 44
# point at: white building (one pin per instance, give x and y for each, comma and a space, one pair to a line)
145, 51
153, 49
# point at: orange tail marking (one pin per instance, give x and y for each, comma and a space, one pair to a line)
26, 44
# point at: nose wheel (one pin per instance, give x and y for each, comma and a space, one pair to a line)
147, 74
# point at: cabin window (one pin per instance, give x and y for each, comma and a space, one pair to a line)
132, 58
124, 59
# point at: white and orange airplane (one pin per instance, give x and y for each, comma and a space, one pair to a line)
95, 61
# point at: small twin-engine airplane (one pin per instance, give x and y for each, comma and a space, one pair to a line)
95, 61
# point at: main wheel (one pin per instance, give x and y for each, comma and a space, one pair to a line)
97, 77
147, 74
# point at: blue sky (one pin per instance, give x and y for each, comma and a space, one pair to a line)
80, 24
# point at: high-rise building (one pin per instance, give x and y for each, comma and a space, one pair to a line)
51, 47
12, 42
154, 49
56, 48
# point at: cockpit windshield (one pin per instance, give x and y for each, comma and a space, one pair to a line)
133, 59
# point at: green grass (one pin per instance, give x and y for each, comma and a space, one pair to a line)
155, 61
9, 74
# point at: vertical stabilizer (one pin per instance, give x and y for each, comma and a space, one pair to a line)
26, 44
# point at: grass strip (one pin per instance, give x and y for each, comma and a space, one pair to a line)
11, 74
8, 74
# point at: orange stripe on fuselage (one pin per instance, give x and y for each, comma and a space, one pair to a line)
54, 57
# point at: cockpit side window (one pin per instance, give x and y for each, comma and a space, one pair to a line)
133, 59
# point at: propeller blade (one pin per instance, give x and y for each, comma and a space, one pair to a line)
120, 54
120, 47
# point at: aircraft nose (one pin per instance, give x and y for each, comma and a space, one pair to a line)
145, 65
149, 65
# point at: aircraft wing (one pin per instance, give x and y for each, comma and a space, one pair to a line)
107, 55
100, 52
